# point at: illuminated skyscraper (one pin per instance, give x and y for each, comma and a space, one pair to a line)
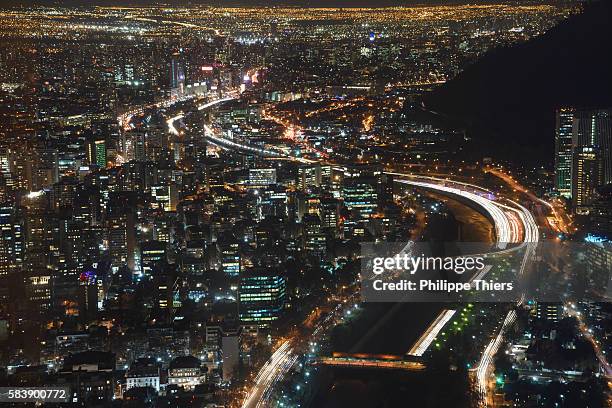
37, 231
563, 152
309, 176
96, 153
313, 235
601, 212
592, 155
45, 168
230, 257
586, 176
152, 256
11, 241
262, 177
583, 154
360, 196
261, 297
164, 197
121, 233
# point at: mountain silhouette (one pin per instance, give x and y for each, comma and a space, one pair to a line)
507, 99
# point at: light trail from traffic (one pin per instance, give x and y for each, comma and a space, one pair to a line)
279, 363
503, 228
420, 347
216, 102
284, 358
485, 365
486, 361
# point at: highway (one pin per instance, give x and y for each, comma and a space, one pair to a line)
170, 122
275, 368
513, 224
125, 117
228, 144
485, 365
422, 344
285, 357
225, 143
505, 231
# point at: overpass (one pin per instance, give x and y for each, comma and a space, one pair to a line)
371, 362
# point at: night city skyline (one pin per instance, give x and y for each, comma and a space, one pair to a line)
305, 204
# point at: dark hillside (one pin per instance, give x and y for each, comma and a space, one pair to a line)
508, 98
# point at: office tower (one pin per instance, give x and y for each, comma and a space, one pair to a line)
360, 196
166, 287
330, 215
21, 167
75, 245
11, 241
6, 178
586, 162
45, 168
177, 75
5, 160
96, 152
386, 188
592, 160
261, 297
230, 257
163, 228
139, 140
152, 256
600, 216
307, 204
118, 239
134, 176
563, 151
261, 177
63, 193
88, 295
309, 176
272, 201
37, 231
598, 266
313, 235
593, 128
586, 176
156, 141
121, 231
164, 197
193, 262
38, 290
